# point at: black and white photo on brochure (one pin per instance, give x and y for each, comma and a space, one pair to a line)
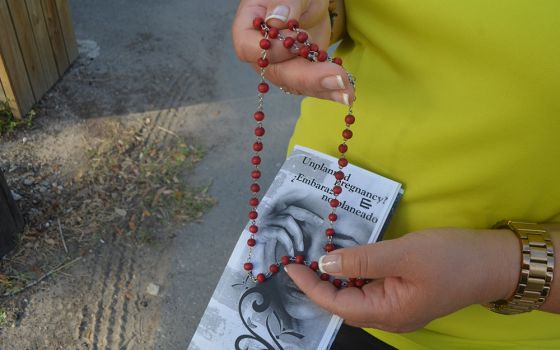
292, 221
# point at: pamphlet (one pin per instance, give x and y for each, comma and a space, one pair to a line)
276, 315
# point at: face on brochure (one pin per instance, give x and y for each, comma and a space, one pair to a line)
291, 224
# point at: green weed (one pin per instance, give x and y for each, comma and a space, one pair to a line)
9, 123
3, 317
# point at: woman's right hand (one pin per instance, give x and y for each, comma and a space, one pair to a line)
287, 70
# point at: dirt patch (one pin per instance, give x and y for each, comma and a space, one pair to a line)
101, 199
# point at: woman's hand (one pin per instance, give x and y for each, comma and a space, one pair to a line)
287, 70
416, 278
284, 229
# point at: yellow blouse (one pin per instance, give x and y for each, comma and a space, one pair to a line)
459, 101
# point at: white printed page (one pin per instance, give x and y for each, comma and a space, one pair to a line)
292, 221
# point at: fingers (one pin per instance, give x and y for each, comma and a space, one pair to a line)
288, 225
307, 13
349, 303
280, 11
374, 305
246, 38
305, 215
322, 80
266, 250
369, 261
295, 74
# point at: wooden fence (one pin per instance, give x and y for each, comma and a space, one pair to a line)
37, 45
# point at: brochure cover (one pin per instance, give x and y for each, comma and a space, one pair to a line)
276, 315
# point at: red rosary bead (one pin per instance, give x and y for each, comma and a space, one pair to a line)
304, 51
256, 160
256, 174
329, 247
248, 266
265, 44
273, 268
359, 283
343, 148
254, 202
347, 134
299, 259
337, 283
288, 42
324, 276
258, 22
334, 203
293, 24
259, 131
302, 37
332, 217
285, 260
314, 47
261, 278
322, 56
257, 146
342, 162
263, 88
263, 62
339, 175
259, 116
253, 215
349, 284
314, 266
329, 232
251, 242
255, 188
337, 190
337, 60
349, 119
253, 229
273, 32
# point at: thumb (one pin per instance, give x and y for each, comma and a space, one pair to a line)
279, 11
307, 12
376, 260
348, 303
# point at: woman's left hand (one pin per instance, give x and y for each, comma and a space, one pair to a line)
416, 278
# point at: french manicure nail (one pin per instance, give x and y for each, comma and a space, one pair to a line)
330, 263
343, 98
333, 82
280, 12
285, 268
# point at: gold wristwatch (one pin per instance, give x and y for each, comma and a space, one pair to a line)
537, 267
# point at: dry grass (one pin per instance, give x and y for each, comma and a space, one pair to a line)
125, 188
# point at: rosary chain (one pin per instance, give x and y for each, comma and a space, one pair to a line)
299, 45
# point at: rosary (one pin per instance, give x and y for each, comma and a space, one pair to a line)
301, 46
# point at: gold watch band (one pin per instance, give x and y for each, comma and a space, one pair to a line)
537, 267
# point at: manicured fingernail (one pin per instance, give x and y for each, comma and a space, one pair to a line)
286, 268
330, 263
333, 82
341, 98
280, 12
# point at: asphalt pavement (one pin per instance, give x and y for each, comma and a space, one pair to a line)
177, 63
